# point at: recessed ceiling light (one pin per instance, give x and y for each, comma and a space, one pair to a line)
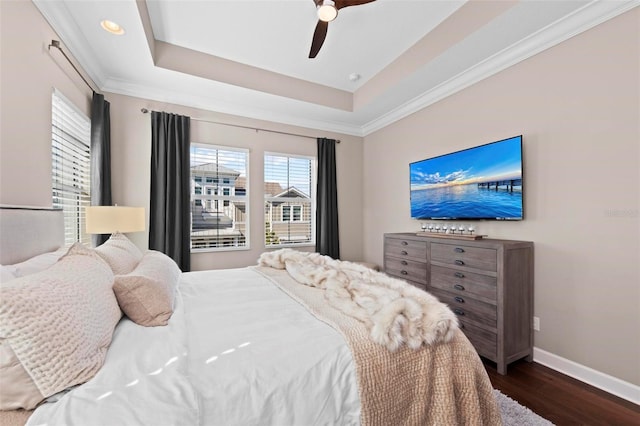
354, 77
112, 27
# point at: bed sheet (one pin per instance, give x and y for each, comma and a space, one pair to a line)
237, 351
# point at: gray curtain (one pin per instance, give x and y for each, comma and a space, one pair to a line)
100, 158
169, 210
327, 241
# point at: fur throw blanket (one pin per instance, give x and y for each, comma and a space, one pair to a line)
394, 312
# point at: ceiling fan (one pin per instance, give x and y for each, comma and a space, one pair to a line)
327, 12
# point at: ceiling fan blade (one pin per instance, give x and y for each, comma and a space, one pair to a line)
346, 3
318, 38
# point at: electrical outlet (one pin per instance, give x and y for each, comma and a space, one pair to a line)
536, 323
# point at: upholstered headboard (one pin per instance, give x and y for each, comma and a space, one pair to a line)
26, 232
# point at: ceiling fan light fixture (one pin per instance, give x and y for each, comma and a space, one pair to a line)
327, 11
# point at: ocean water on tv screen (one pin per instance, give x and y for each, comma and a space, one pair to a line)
466, 201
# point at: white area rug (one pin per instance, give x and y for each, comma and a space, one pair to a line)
514, 414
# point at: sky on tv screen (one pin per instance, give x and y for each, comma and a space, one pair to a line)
487, 163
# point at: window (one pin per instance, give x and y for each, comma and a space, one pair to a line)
289, 205
70, 166
291, 213
219, 225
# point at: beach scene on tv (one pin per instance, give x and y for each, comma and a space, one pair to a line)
484, 182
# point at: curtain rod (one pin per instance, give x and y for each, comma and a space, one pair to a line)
145, 111
56, 44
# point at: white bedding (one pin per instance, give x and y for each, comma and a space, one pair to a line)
237, 351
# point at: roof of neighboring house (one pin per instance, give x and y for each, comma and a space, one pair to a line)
241, 182
203, 219
216, 169
272, 188
292, 192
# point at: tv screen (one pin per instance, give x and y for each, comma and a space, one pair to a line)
484, 182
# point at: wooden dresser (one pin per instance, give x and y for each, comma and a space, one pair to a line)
488, 283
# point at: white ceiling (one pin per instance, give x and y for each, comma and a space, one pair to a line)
276, 35
409, 53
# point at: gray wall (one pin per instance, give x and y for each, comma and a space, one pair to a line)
577, 106
131, 153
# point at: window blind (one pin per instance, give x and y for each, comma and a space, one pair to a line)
70, 166
289, 207
219, 198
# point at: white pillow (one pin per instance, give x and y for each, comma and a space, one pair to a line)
120, 253
38, 263
7, 273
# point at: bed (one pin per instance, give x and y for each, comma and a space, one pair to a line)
262, 345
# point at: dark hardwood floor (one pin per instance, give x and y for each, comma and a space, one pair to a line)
562, 399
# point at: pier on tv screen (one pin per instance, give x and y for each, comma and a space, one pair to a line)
484, 182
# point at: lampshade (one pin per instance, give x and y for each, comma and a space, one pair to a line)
327, 11
110, 219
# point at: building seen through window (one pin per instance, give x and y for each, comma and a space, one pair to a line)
289, 209
219, 197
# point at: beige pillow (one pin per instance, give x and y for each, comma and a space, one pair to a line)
55, 327
147, 293
120, 253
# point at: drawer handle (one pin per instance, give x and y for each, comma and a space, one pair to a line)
459, 299
459, 287
459, 250
404, 243
404, 253
403, 272
459, 275
404, 262
459, 262
458, 312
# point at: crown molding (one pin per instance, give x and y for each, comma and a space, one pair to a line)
590, 15
58, 16
164, 94
587, 17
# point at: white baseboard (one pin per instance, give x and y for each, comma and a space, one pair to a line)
588, 375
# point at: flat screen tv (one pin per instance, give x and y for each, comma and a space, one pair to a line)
484, 182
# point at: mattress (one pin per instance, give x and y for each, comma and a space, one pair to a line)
237, 351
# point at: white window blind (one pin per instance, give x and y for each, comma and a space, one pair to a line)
219, 198
289, 204
71, 163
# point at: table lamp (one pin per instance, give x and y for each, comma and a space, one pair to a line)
110, 219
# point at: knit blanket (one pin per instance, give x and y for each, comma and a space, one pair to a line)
440, 383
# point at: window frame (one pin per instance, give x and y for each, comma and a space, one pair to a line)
78, 147
217, 196
312, 203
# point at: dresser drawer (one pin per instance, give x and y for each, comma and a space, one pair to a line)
396, 247
487, 283
406, 269
484, 341
467, 256
464, 283
468, 308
